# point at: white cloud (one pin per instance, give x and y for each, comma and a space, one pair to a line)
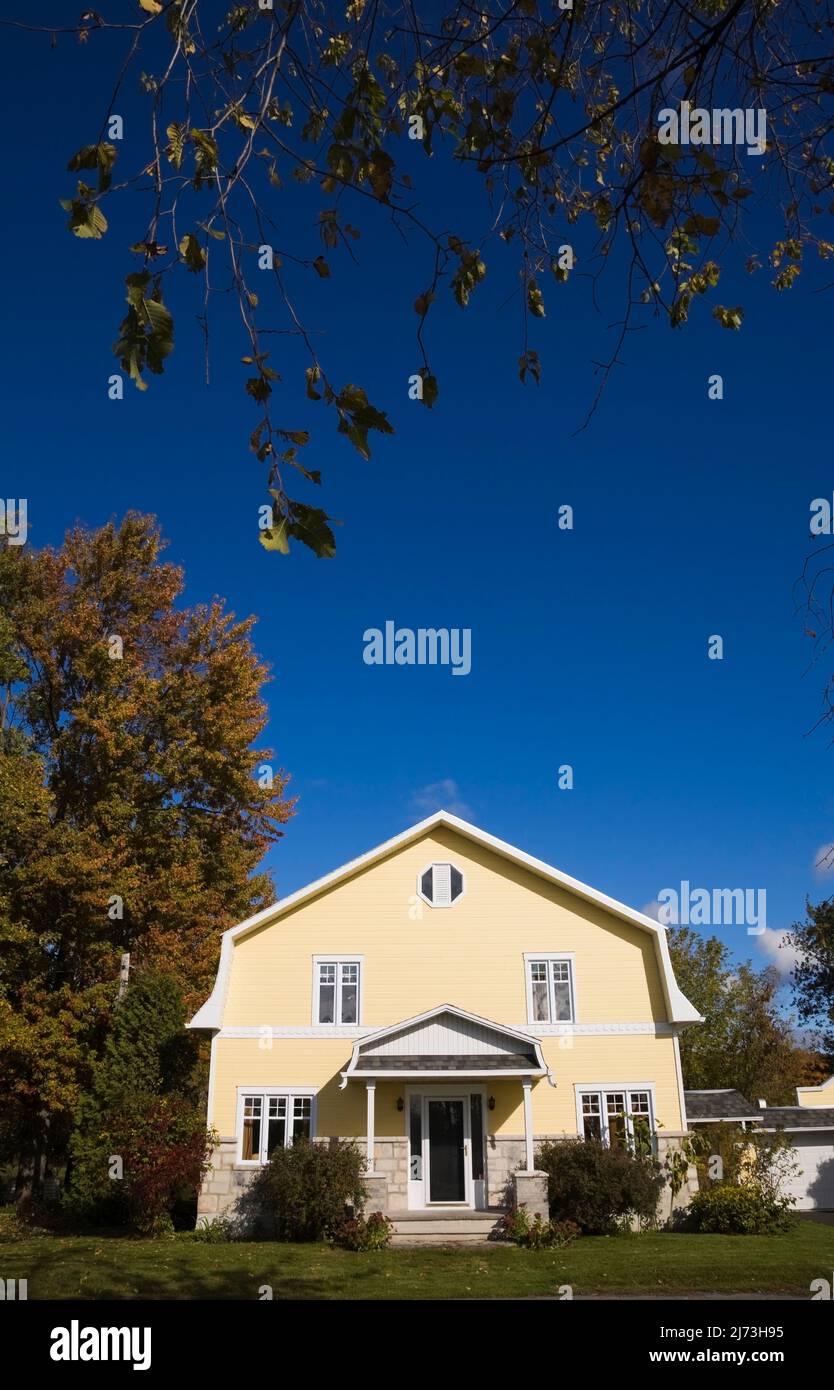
652, 909
773, 944
824, 860
441, 796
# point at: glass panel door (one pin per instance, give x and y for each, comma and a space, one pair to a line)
447, 1174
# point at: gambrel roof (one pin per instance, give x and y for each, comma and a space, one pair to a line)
679, 1008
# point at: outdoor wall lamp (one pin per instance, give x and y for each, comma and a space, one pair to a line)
491, 1103
400, 1103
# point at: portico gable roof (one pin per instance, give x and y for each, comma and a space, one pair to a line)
444, 1042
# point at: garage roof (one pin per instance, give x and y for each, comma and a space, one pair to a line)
797, 1117
705, 1106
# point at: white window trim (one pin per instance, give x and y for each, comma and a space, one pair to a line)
548, 956
440, 907
584, 1088
265, 1092
342, 958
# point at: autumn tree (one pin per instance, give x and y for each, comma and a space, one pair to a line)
745, 1042
135, 807
553, 113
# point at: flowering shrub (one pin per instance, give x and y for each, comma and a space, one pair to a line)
361, 1234
537, 1234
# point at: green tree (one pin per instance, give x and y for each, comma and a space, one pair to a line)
274, 127
133, 816
745, 1042
145, 1109
813, 975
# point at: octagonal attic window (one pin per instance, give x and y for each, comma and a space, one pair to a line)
440, 885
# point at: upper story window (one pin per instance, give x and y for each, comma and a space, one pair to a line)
337, 984
440, 885
550, 990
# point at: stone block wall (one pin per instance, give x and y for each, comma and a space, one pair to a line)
225, 1182
391, 1162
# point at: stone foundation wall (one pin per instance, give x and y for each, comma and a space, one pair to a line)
225, 1182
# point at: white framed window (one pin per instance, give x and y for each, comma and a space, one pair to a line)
618, 1116
270, 1119
440, 885
551, 995
337, 988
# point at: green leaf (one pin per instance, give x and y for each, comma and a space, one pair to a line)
313, 374
192, 252
529, 362
728, 318
430, 388
696, 224
310, 525
321, 267
101, 157
381, 175
259, 388
176, 135
87, 221
357, 416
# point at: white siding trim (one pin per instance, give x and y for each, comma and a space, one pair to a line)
679, 1074
524, 1031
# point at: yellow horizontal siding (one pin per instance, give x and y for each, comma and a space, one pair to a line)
470, 955
615, 1059
816, 1099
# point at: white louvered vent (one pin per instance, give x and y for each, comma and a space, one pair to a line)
440, 885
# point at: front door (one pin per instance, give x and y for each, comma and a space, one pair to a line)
447, 1150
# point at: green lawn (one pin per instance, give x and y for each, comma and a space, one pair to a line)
58, 1266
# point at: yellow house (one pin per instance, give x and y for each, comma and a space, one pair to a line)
447, 1001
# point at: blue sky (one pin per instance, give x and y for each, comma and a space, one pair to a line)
588, 647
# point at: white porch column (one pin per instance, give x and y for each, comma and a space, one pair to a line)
528, 1125
370, 1089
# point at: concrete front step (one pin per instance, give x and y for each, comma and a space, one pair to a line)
443, 1227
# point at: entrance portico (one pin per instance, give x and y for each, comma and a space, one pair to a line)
445, 1061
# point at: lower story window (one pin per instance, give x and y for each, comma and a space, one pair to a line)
273, 1120
617, 1118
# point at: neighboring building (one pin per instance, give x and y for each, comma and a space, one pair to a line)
448, 1001
710, 1107
809, 1126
